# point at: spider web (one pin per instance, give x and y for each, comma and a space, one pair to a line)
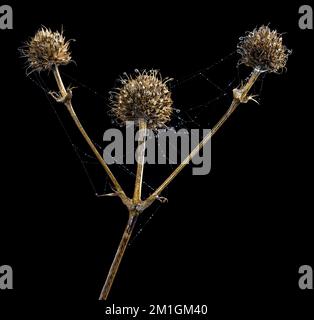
197, 98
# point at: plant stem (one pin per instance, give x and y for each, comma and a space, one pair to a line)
136, 205
68, 104
239, 96
140, 161
133, 215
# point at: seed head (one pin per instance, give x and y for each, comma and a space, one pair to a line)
144, 96
262, 48
45, 50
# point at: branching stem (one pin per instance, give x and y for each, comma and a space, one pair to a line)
136, 205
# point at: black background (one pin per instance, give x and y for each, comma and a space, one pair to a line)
236, 236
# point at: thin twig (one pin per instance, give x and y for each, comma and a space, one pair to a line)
133, 215
65, 97
239, 96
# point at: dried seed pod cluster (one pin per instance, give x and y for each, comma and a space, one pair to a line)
262, 48
144, 96
45, 50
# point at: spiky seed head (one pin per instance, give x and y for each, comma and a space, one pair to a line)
45, 50
262, 48
146, 96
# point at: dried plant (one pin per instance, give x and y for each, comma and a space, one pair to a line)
144, 97
147, 100
262, 49
46, 50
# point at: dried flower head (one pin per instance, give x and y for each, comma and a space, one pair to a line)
45, 50
145, 96
262, 48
